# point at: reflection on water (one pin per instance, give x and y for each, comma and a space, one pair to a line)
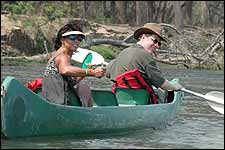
197, 125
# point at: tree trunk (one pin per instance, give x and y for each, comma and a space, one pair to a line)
40, 5
179, 22
120, 15
74, 4
133, 18
113, 11
189, 6
151, 11
87, 9
105, 10
126, 11
163, 12
203, 12
138, 13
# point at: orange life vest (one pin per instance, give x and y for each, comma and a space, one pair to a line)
133, 79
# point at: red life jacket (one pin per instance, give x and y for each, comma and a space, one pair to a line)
36, 83
133, 79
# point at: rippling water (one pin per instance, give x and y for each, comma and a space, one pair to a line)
196, 126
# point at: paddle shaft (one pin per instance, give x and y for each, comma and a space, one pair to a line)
192, 92
198, 94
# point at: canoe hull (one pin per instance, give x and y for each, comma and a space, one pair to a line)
25, 113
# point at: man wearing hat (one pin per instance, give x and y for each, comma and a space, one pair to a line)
140, 55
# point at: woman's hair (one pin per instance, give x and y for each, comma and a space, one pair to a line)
71, 25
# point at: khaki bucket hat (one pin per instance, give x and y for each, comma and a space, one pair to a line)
151, 28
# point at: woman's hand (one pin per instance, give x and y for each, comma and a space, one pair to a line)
99, 71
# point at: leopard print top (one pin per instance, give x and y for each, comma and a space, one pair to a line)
51, 67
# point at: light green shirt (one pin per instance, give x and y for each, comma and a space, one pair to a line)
136, 57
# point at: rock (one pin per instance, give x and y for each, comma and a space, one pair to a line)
19, 39
29, 40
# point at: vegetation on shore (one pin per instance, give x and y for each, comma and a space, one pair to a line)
107, 51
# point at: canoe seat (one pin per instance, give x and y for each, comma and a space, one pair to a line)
103, 98
126, 96
72, 98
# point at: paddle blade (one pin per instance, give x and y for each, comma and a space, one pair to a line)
215, 96
216, 107
216, 101
80, 54
87, 60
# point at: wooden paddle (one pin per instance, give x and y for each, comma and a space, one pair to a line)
215, 99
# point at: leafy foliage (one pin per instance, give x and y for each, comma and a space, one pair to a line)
107, 11
20, 7
108, 52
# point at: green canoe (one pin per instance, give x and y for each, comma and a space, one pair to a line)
25, 113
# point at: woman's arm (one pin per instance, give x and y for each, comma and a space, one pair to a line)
65, 68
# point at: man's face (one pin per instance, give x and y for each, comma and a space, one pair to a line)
151, 42
154, 40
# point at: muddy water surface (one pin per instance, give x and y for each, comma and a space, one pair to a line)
196, 126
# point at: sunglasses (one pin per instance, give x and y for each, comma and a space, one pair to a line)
75, 37
155, 41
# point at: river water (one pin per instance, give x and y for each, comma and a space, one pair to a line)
197, 126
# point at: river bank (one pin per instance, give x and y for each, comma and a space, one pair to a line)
25, 62
194, 48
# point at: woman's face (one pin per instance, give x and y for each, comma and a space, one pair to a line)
72, 41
